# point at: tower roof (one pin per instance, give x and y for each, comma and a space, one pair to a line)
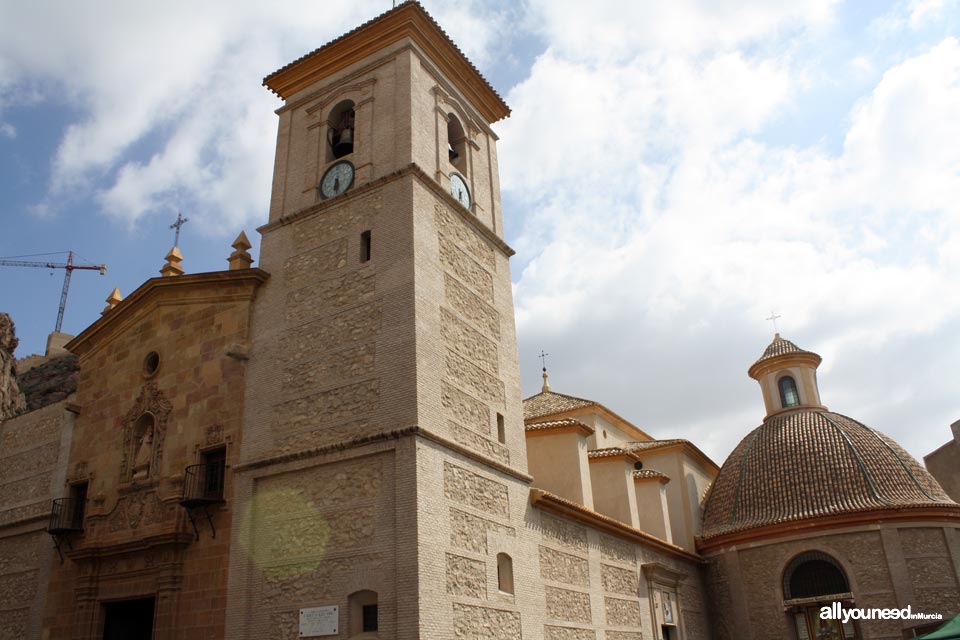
407, 20
813, 464
548, 403
778, 348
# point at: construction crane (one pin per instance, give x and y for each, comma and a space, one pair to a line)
68, 265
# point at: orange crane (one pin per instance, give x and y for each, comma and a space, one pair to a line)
68, 265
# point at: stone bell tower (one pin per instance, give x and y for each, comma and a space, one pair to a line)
382, 413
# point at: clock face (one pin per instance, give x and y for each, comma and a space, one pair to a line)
458, 189
337, 179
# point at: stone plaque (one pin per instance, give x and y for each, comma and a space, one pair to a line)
319, 621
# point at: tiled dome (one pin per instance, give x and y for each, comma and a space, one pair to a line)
810, 464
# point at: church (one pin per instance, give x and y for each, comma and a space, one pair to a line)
333, 443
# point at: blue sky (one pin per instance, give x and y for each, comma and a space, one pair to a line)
671, 173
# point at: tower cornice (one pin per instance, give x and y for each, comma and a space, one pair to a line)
409, 20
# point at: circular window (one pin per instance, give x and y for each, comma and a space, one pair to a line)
151, 363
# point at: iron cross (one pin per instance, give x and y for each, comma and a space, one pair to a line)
176, 225
543, 358
773, 317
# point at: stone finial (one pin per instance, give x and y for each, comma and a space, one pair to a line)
112, 300
172, 267
546, 384
240, 258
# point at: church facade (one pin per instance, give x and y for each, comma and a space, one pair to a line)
334, 443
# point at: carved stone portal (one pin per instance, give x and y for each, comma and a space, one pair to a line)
144, 430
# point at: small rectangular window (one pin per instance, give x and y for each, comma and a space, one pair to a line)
365, 247
369, 617
501, 430
78, 504
214, 465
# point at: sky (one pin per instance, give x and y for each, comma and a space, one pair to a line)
673, 173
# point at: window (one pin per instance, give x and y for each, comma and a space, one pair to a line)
365, 246
501, 430
788, 392
369, 617
456, 142
363, 615
214, 466
341, 130
813, 574
504, 573
78, 504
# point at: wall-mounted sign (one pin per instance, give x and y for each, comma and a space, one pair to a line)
319, 621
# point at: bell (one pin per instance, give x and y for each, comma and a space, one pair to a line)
451, 152
343, 142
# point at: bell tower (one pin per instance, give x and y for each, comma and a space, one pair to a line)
383, 426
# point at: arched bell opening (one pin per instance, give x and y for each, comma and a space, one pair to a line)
341, 130
456, 142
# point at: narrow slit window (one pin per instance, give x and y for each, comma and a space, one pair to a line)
501, 430
365, 246
78, 504
505, 573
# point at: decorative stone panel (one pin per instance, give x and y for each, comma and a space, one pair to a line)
354, 325
470, 306
21, 553
622, 613
342, 220
334, 405
617, 550
28, 462
464, 409
26, 489
308, 374
326, 435
563, 604
25, 511
285, 625
24, 433
329, 486
319, 298
469, 376
304, 268
483, 623
568, 633
468, 342
617, 580
13, 622
565, 533
451, 228
636, 635
478, 443
470, 532
474, 490
312, 581
466, 577
563, 567
467, 270
18, 588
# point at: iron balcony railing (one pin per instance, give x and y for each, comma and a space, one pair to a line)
66, 516
203, 484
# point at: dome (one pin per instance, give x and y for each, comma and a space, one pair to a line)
809, 464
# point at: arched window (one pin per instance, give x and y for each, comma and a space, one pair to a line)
456, 142
788, 392
504, 573
340, 130
364, 620
813, 574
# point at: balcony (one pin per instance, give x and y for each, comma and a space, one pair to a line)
203, 484
66, 516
